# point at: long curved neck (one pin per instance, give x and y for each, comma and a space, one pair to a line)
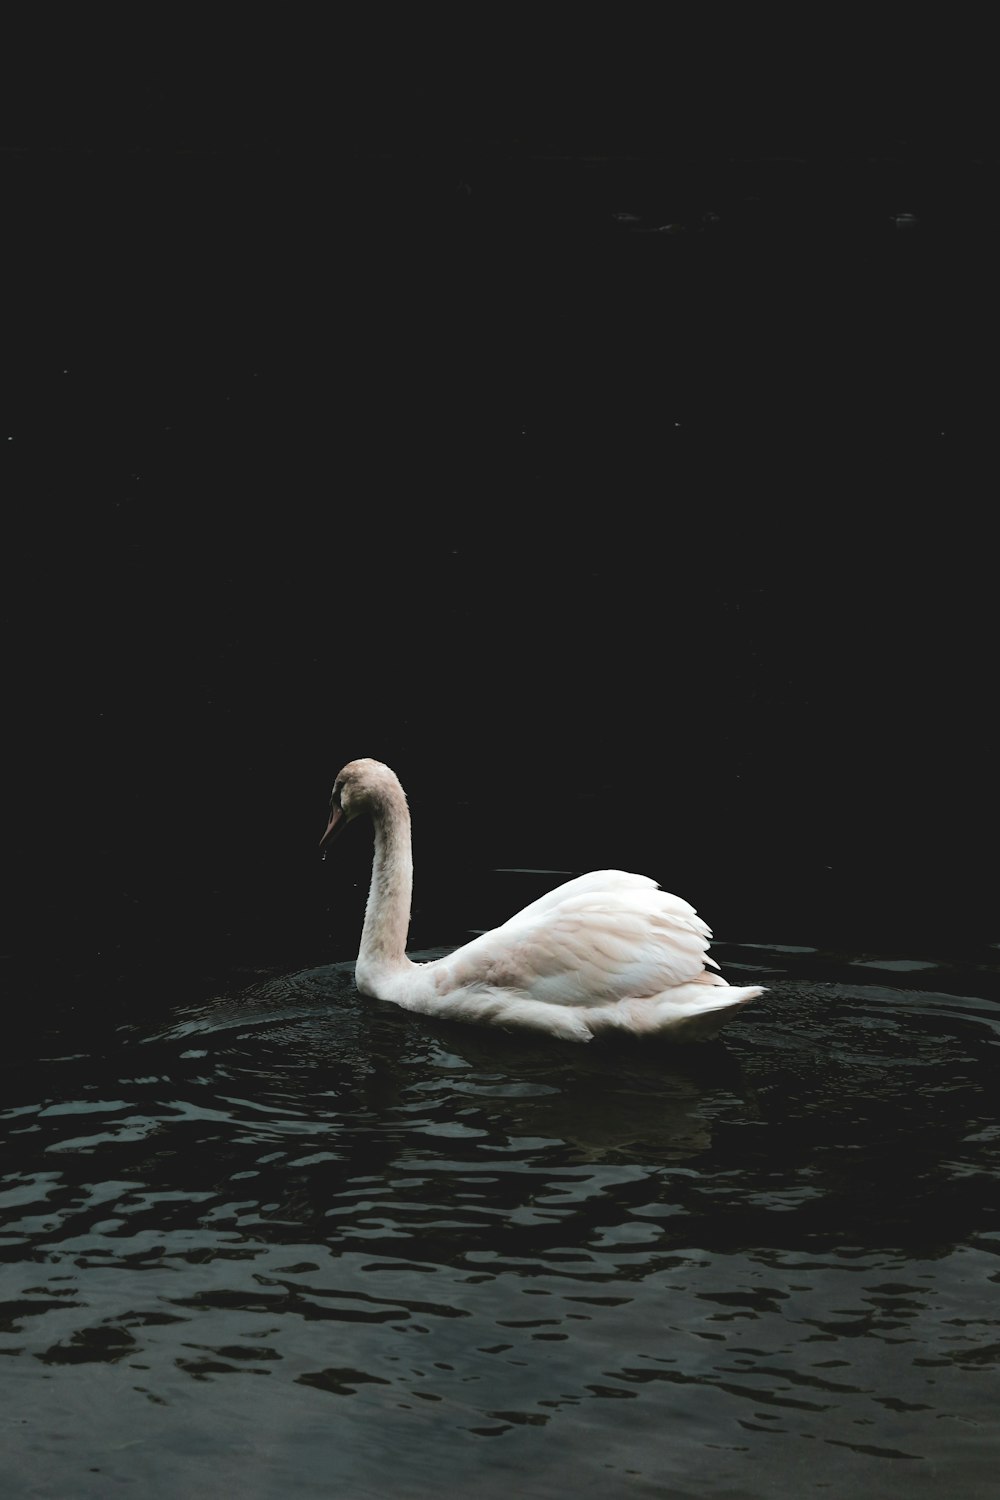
387, 914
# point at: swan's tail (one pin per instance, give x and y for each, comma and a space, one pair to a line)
689, 1013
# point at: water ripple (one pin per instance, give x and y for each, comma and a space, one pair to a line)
410, 1233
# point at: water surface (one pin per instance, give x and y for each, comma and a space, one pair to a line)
282, 1240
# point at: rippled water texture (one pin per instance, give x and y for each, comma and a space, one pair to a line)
288, 1241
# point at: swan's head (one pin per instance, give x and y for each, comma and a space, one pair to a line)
361, 786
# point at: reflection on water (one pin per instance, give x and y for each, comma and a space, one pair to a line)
291, 1241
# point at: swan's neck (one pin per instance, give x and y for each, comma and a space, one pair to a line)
387, 915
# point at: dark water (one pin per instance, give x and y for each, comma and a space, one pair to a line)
281, 1240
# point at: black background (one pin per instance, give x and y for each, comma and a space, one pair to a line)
593, 426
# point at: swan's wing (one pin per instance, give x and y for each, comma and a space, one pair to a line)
590, 948
594, 880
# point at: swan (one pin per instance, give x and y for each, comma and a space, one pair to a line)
605, 951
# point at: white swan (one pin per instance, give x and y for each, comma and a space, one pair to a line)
605, 951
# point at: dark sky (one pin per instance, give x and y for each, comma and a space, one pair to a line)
589, 423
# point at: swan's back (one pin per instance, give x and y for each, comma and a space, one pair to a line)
607, 949
594, 880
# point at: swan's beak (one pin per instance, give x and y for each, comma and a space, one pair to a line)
335, 826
